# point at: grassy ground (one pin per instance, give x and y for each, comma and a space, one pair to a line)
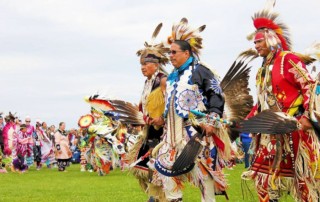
51, 185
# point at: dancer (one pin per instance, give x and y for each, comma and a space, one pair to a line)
63, 153
153, 58
21, 149
286, 163
190, 86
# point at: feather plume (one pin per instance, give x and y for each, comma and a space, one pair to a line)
269, 5
314, 50
120, 110
249, 53
238, 101
267, 19
251, 36
159, 50
182, 31
269, 122
306, 59
155, 33
99, 103
127, 112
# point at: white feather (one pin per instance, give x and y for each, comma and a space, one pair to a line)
269, 5
314, 50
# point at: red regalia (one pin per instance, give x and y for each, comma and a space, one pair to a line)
283, 163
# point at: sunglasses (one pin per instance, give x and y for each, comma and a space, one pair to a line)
28, 121
173, 52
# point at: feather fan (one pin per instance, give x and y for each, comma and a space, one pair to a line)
269, 122
127, 112
99, 103
192, 148
120, 110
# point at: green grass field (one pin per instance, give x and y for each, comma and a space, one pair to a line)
50, 185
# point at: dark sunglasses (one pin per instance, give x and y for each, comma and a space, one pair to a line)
173, 52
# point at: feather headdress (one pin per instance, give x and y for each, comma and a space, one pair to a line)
154, 52
182, 31
10, 117
275, 32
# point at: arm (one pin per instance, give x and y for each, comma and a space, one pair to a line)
159, 121
19, 138
296, 73
209, 85
163, 84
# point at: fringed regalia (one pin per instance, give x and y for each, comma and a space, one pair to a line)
152, 106
150, 134
47, 150
21, 149
196, 88
96, 146
289, 162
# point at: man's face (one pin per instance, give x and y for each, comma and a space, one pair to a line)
1, 121
177, 56
63, 126
261, 45
44, 125
148, 69
52, 128
28, 122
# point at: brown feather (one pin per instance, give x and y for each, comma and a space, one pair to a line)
269, 122
156, 32
128, 113
249, 53
238, 101
306, 58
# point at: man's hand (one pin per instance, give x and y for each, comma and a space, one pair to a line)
305, 124
157, 121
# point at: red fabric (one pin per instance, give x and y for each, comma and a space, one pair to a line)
259, 36
146, 119
5, 134
218, 142
289, 85
265, 23
253, 111
288, 82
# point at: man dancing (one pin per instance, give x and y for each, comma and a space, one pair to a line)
152, 58
191, 86
282, 163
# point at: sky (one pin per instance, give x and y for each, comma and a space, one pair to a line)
53, 53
